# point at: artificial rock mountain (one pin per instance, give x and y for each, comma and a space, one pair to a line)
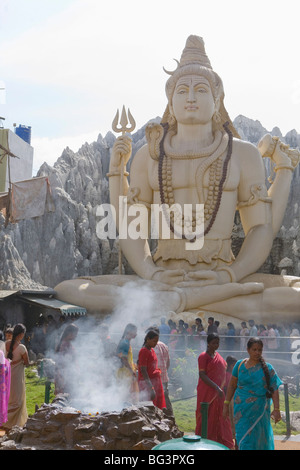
41, 252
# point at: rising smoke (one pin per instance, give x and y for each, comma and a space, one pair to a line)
91, 375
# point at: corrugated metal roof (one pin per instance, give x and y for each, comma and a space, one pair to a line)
21, 292
47, 292
66, 309
7, 293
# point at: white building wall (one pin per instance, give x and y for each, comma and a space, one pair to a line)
20, 168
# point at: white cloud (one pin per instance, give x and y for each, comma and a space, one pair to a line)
50, 149
106, 54
295, 96
83, 46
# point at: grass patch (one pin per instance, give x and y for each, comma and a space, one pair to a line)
35, 390
184, 412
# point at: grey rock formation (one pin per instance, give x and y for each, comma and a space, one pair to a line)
64, 244
287, 243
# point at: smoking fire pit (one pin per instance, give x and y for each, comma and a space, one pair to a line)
59, 426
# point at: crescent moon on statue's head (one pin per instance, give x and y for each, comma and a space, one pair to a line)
169, 72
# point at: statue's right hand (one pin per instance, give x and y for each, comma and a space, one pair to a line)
169, 276
122, 148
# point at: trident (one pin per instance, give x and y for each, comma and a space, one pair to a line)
124, 129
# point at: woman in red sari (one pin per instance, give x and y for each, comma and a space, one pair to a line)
212, 377
149, 375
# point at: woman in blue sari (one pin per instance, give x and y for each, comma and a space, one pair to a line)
254, 385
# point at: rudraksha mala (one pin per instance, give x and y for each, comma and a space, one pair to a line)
221, 184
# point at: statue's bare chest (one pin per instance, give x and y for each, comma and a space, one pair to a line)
193, 173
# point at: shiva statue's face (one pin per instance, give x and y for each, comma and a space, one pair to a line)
193, 101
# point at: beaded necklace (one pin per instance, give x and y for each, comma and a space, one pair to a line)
217, 177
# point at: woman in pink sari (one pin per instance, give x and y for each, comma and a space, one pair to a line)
4, 387
18, 355
212, 377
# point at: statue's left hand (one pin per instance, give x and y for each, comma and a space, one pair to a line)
169, 276
201, 278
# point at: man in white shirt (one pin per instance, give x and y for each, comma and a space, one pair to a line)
253, 329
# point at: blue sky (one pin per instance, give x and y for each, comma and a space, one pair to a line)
68, 65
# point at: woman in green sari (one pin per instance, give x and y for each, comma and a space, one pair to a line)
254, 385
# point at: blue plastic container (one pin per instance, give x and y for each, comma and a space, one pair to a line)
191, 443
24, 132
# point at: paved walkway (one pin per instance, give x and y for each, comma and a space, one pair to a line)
287, 443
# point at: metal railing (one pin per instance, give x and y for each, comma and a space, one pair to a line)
287, 348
